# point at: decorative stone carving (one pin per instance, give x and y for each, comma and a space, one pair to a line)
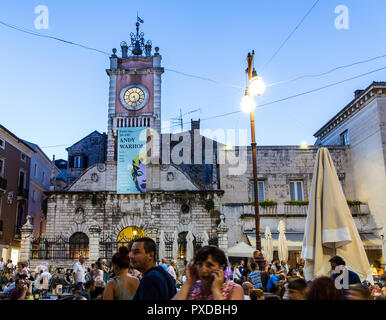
185, 218
101, 167
79, 217
79, 211
10, 197
170, 176
164, 167
94, 177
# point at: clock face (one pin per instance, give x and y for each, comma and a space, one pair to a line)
134, 97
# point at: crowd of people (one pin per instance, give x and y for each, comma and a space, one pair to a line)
134, 274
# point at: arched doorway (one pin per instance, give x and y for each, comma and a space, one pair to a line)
78, 245
182, 243
129, 234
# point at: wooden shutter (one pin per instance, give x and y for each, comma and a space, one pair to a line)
85, 161
71, 162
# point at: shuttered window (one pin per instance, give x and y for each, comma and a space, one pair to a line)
260, 191
296, 190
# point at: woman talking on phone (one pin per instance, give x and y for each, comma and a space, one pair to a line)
205, 278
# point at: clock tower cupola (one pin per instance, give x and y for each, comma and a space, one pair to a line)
135, 88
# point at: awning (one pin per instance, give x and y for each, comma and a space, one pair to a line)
371, 241
295, 241
241, 250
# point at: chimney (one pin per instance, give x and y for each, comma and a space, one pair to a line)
195, 124
358, 93
124, 49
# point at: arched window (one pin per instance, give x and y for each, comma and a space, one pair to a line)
182, 245
78, 245
128, 234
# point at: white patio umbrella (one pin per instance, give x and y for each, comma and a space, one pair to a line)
330, 228
384, 245
241, 250
161, 246
282, 243
175, 245
204, 238
189, 246
268, 245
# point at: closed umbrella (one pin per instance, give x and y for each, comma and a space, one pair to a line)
330, 228
175, 245
161, 246
268, 245
204, 239
384, 245
189, 246
282, 243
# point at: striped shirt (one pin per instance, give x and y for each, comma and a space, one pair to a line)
255, 277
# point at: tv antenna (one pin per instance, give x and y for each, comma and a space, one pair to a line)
180, 120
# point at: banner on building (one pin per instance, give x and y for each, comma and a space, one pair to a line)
131, 161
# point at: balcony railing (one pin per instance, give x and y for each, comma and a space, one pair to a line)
293, 209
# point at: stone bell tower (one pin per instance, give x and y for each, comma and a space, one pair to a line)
135, 89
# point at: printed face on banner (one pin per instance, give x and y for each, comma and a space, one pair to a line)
131, 164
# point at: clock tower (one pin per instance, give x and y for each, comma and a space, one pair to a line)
135, 89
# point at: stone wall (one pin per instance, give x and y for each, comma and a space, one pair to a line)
71, 212
276, 166
367, 137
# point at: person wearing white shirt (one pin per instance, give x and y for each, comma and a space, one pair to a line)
172, 271
79, 272
284, 266
2, 264
247, 287
10, 265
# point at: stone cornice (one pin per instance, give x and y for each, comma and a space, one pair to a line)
376, 89
154, 192
134, 71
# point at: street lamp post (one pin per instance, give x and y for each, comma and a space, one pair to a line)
255, 88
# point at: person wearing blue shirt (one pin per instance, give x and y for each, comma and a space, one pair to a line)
156, 283
275, 282
336, 261
164, 264
255, 276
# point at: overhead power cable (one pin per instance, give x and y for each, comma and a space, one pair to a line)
291, 97
22, 29
50, 37
327, 72
290, 35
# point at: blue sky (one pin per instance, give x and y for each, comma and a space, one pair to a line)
53, 93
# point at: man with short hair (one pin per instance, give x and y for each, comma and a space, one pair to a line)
22, 290
255, 276
156, 283
276, 267
358, 291
337, 261
284, 266
247, 287
172, 270
164, 264
79, 273
276, 283
10, 265
296, 289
